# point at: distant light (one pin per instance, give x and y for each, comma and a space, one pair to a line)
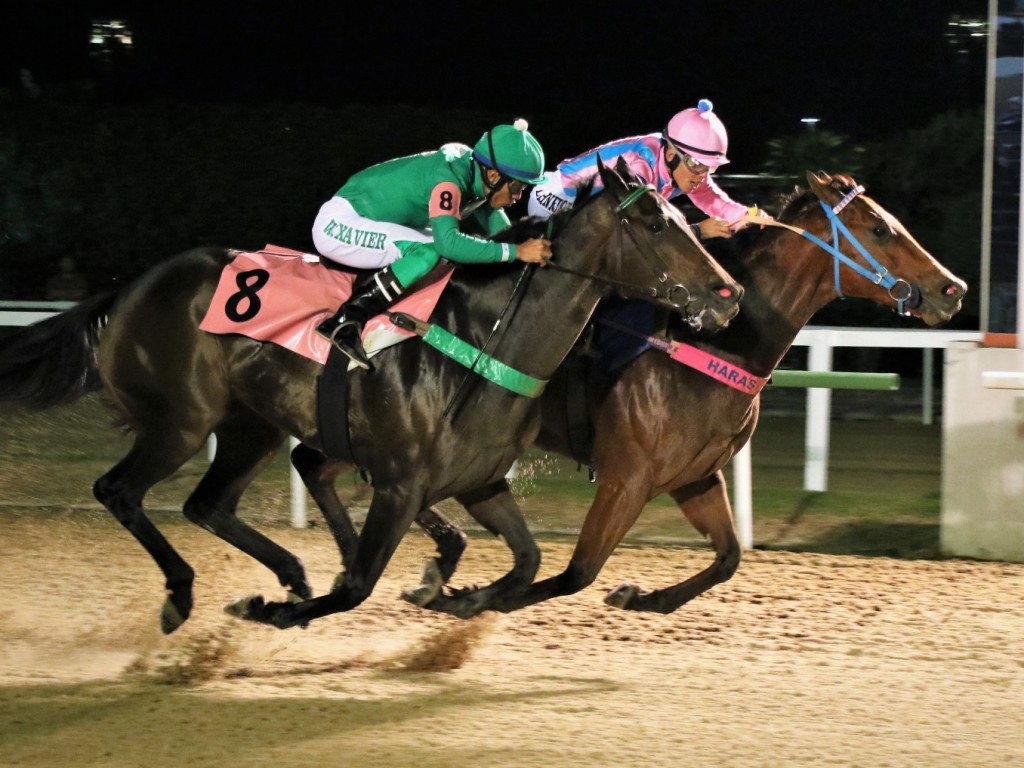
810, 122
109, 38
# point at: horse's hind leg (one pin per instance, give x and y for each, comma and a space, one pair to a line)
449, 538
245, 443
153, 457
706, 505
450, 543
495, 508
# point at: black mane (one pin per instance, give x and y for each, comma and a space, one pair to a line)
535, 226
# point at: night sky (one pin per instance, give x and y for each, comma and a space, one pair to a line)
589, 72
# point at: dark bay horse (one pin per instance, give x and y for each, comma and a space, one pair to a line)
174, 385
662, 427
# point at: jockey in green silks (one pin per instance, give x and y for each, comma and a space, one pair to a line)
401, 216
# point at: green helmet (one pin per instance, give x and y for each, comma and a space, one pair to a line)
512, 151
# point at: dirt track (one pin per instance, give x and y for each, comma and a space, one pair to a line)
800, 660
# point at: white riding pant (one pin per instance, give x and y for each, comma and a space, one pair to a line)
342, 235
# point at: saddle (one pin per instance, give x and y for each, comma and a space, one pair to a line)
280, 295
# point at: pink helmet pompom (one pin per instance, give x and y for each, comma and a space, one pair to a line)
699, 133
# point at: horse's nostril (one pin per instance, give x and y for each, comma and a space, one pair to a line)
729, 291
951, 289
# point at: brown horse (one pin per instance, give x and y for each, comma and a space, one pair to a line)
662, 427
174, 385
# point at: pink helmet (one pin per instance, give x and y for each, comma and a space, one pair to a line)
699, 133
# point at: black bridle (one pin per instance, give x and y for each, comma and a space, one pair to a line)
668, 292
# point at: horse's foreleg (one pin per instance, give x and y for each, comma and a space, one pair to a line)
495, 509
706, 505
390, 515
319, 473
613, 512
121, 491
245, 444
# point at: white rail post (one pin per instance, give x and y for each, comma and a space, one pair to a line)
743, 496
819, 404
298, 492
927, 374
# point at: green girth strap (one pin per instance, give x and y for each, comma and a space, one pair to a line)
466, 354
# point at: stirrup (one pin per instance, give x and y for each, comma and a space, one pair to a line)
353, 352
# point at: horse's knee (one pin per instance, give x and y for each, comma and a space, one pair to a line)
306, 461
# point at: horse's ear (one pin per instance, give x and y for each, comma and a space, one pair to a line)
623, 169
820, 176
821, 184
609, 177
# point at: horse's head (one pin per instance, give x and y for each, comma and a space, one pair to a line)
883, 261
641, 246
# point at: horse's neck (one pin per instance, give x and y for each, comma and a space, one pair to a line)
534, 334
786, 282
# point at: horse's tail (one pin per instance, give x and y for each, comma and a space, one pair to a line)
53, 362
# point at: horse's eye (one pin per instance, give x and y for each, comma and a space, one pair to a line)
656, 226
881, 231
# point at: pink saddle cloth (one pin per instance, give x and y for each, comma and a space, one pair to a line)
280, 296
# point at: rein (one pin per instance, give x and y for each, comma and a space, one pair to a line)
625, 225
903, 293
489, 371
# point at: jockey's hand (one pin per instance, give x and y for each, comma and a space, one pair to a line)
754, 212
714, 228
535, 251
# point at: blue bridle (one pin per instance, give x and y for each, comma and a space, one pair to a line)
906, 296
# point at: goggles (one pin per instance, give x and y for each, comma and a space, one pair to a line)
695, 167
515, 186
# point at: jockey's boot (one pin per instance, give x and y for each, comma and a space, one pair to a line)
345, 327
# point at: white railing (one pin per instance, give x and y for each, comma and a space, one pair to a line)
820, 340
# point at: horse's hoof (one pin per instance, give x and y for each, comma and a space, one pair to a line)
300, 593
170, 617
622, 595
429, 587
467, 604
420, 595
243, 607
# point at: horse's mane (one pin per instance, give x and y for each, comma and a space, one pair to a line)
536, 226
790, 205
530, 227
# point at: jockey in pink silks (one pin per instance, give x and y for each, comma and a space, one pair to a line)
678, 161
